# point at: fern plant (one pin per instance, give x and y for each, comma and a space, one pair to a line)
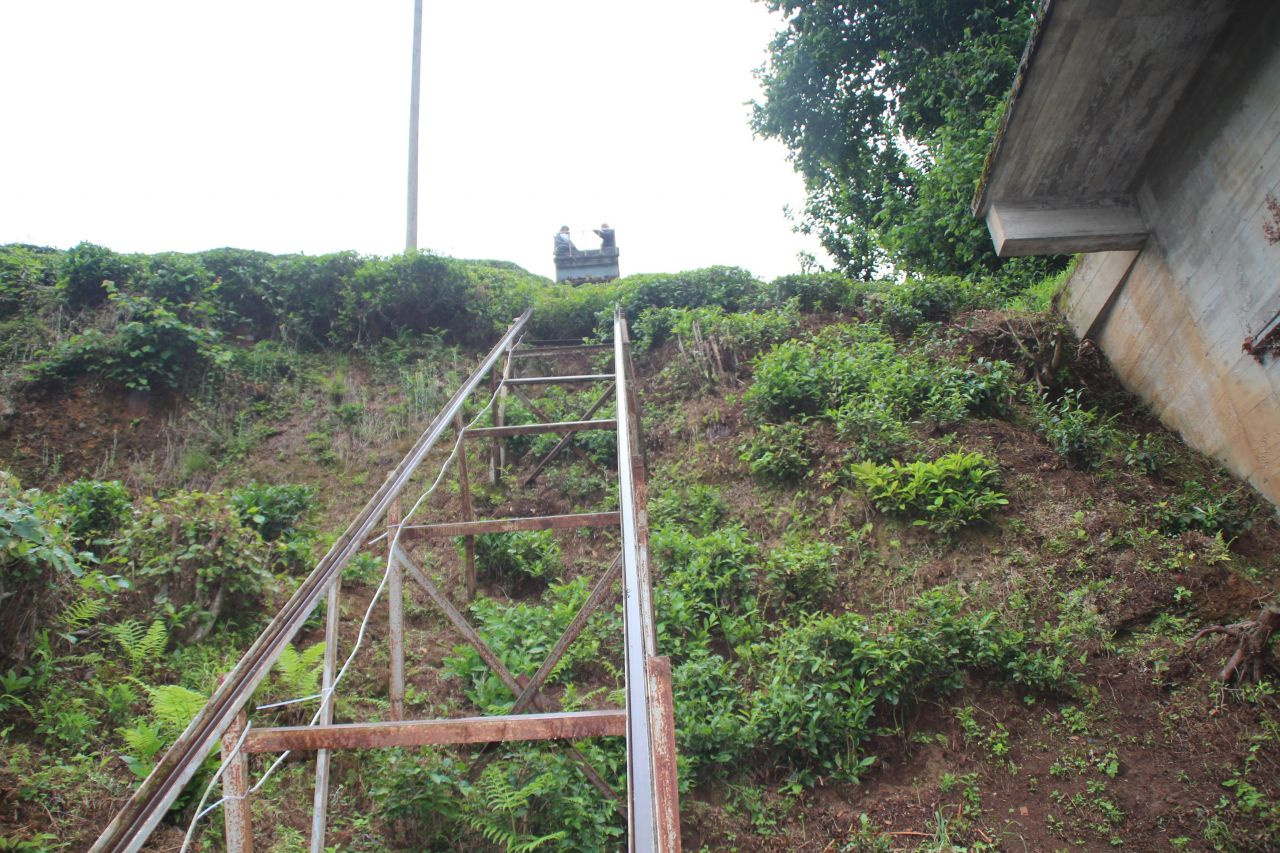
502, 814
141, 644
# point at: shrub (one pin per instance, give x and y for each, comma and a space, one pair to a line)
1211, 513
905, 305
85, 268
93, 509
873, 430
825, 291
698, 508
1080, 435
731, 288
533, 554
197, 559
801, 569
822, 684
275, 511
27, 274
150, 348
942, 495
35, 554
707, 588
712, 734
777, 453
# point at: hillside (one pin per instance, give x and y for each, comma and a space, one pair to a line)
928, 576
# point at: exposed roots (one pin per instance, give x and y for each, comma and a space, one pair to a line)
1251, 644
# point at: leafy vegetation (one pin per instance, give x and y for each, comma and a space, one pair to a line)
942, 495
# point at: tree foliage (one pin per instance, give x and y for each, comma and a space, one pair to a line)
888, 109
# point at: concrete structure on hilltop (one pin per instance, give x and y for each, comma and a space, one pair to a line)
1146, 134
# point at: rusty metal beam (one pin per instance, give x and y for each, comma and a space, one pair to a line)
534, 429
513, 727
506, 525
559, 380
533, 351
237, 817
134, 823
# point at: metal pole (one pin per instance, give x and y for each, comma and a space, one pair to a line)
320, 803
235, 788
415, 91
395, 620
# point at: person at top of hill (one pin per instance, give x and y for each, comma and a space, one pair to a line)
564, 245
605, 233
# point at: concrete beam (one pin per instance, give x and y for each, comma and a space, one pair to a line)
1057, 229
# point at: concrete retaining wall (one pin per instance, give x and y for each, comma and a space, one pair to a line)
1172, 317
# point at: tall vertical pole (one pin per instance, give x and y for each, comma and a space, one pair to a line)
415, 91
235, 788
395, 618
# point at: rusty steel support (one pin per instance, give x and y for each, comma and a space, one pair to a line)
410, 533
237, 817
534, 429
134, 823
498, 450
320, 802
559, 380
548, 351
512, 727
468, 514
395, 621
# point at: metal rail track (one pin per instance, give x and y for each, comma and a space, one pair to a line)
652, 804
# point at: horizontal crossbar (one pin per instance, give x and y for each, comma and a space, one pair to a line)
559, 380
564, 725
506, 525
531, 429
534, 352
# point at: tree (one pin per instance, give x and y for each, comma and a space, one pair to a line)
888, 108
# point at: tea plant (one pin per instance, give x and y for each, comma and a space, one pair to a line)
532, 554
1080, 435
777, 453
950, 492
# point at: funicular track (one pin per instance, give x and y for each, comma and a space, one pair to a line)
651, 800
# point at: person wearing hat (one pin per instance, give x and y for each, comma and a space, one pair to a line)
564, 245
605, 233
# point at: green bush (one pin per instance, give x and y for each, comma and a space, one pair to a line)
697, 507
93, 509
151, 347
777, 453
730, 288
824, 685
802, 570
274, 511
27, 275
35, 556
522, 635
825, 291
85, 268
197, 561
712, 732
1210, 512
905, 305
707, 589
872, 430
1080, 435
532, 554
942, 495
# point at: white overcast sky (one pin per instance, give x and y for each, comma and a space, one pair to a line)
282, 125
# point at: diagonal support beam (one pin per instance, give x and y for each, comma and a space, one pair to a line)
499, 668
571, 632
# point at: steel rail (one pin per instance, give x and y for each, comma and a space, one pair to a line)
649, 805
137, 819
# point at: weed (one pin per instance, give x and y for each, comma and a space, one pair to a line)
777, 453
